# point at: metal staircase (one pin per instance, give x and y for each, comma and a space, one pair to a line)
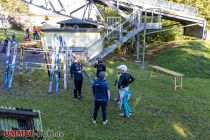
141, 23
133, 11
186, 15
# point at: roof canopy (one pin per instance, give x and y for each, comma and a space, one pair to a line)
76, 21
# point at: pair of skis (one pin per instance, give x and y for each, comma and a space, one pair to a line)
10, 68
55, 45
6, 74
64, 62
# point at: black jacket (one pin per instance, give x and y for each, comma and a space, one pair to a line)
99, 68
124, 80
76, 71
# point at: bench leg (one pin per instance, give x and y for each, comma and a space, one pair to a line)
181, 83
177, 85
153, 74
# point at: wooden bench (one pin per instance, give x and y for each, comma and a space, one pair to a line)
176, 75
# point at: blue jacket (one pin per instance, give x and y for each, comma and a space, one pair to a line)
100, 90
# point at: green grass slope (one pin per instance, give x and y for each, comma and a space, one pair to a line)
19, 34
191, 58
159, 112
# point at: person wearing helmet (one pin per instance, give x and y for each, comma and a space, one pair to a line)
3, 46
124, 92
76, 73
101, 96
99, 66
13, 36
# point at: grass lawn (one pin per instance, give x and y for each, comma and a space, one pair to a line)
19, 34
158, 111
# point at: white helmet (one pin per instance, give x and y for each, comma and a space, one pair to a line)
123, 68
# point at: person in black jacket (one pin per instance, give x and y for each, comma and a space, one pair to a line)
76, 73
124, 91
99, 67
101, 96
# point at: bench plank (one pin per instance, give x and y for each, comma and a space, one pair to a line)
168, 71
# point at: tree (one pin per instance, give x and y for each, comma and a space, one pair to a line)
202, 5
14, 7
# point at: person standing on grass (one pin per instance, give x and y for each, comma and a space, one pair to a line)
34, 32
76, 73
124, 91
3, 46
99, 67
101, 95
27, 35
13, 36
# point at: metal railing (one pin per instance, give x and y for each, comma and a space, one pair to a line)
167, 5
96, 48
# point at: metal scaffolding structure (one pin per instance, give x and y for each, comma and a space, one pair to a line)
135, 18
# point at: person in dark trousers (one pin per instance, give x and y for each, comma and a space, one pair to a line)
13, 36
101, 95
3, 46
76, 73
124, 91
27, 35
99, 67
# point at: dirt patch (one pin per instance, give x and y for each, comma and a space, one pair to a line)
118, 57
166, 45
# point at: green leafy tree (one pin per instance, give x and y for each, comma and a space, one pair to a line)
14, 7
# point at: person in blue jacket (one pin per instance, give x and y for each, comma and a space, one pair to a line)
76, 73
101, 96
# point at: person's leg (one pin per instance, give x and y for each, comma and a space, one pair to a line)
121, 95
103, 108
96, 108
75, 88
80, 87
126, 107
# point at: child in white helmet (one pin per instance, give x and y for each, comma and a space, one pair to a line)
124, 92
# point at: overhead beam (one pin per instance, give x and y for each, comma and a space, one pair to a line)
78, 9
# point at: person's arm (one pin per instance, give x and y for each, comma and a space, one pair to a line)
131, 79
107, 91
115, 82
81, 66
72, 69
108, 95
104, 68
93, 89
120, 82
